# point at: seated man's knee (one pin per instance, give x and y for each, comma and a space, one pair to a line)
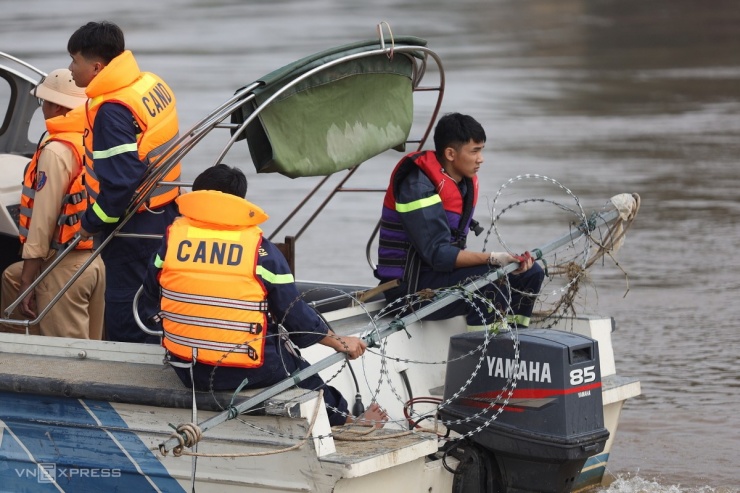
538, 272
534, 276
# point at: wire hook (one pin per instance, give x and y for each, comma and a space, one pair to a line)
382, 38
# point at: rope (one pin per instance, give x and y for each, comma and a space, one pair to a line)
189, 434
628, 206
364, 436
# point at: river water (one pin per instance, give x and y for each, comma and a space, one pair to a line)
604, 96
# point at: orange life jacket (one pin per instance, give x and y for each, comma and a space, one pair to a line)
214, 306
152, 103
66, 129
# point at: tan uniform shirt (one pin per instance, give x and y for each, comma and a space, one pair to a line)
79, 312
54, 172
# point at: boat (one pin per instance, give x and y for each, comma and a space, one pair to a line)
520, 410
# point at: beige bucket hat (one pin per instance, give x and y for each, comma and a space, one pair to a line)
58, 87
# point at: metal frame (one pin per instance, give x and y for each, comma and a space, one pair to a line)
161, 166
14, 139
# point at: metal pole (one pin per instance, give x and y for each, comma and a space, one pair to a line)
57, 258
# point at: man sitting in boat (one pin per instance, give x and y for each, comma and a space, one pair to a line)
225, 289
426, 216
52, 200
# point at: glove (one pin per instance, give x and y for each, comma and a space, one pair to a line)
500, 259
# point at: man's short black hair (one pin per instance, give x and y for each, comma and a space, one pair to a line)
454, 130
97, 41
222, 178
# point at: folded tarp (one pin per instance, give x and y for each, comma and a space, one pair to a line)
336, 118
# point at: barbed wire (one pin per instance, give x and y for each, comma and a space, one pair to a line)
570, 264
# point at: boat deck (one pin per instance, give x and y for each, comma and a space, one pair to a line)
379, 450
80, 374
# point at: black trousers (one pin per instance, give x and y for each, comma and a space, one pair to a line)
520, 301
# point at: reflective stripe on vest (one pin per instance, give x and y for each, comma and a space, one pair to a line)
260, 306
210, 346
250, 328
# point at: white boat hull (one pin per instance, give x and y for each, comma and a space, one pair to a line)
97, 445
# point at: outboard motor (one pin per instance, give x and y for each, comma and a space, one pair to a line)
553, 421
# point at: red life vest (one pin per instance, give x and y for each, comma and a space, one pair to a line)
394, 244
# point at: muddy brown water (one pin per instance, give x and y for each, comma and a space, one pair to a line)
605, 96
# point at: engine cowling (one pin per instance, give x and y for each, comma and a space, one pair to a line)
537, 417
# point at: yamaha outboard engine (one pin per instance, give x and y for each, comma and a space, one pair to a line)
529, 423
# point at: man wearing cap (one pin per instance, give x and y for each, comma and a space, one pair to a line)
52, 200
131, 120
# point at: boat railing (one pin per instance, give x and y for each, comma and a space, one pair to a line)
417, 54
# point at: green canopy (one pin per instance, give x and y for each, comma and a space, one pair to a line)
338, 117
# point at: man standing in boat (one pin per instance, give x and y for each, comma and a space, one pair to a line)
131, 120
52, 200
224, 294
427, 214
